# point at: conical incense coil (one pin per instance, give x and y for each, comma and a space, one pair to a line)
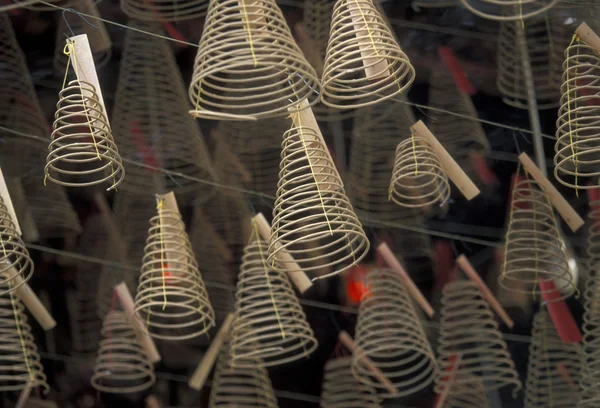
364, 63
316, 19
171, 297
313, 219
418, 179
122, 365
390, 334
342, 390
82, 150
270, 323
577, 148
533, 248
161, 10
470, 335
240, 73
372, 161
468, 394
20, 363
100, 43
508, 10
83, 321
541, 47
234, 385
150, 121
16, 266
553, 369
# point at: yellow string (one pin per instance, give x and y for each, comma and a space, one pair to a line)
575, 159
159, 207
367, 27
414, 147
264, 262
249, 33
20, 333
298, 117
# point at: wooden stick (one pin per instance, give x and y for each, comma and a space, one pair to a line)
562, 206
294, 271
386, 253
142, 334
31, 301
8, 202
588, 36
376, 66
152, 402
111, 225
199, 377
350, 345
253, 7
451, 168
24, 396
562, 369
441, 399
468, 269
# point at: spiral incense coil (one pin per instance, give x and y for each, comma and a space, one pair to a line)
342, 390
122, 365
20, 363
469, 394
100, 43
541, 47
418, 179
83, 321
238, 386
577, 145
508, 10
162, 10
312, 218
240, 73
364, 64
16, 266
390, 334
82, 148
150, 121
553, 370
270, 323
533, 247
171, 296
468, 329
372, 162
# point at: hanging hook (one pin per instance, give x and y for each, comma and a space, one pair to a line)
80, 15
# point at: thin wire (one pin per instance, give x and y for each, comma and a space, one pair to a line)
69, 25
18, 5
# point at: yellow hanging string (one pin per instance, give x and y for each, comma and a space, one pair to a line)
249, 30
299, 124
575, 159
160, 206
367, 27
20, 333
264, 263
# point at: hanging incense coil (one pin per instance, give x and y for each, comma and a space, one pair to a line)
150, 121
468, 329
553, 370
100, 43
372, 162
171, 297
20, 363
534, 248
418, 179
468, 394
122, 365
161, 10
508, 10
312, 218
240, 73
236, 385
577, 145
390, 334
542, 48
16, 266
82, 149
83, 321
270, 323
342, 390
364, 64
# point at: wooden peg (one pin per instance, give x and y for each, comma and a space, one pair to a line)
562, 206
199, 377
33, 303
350, 345
152, 402
451, 168
141, 333
24, 396
169, 201
376, 67
441, 398
8, 202
388, 256
470, 271
294, 271
588, 36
